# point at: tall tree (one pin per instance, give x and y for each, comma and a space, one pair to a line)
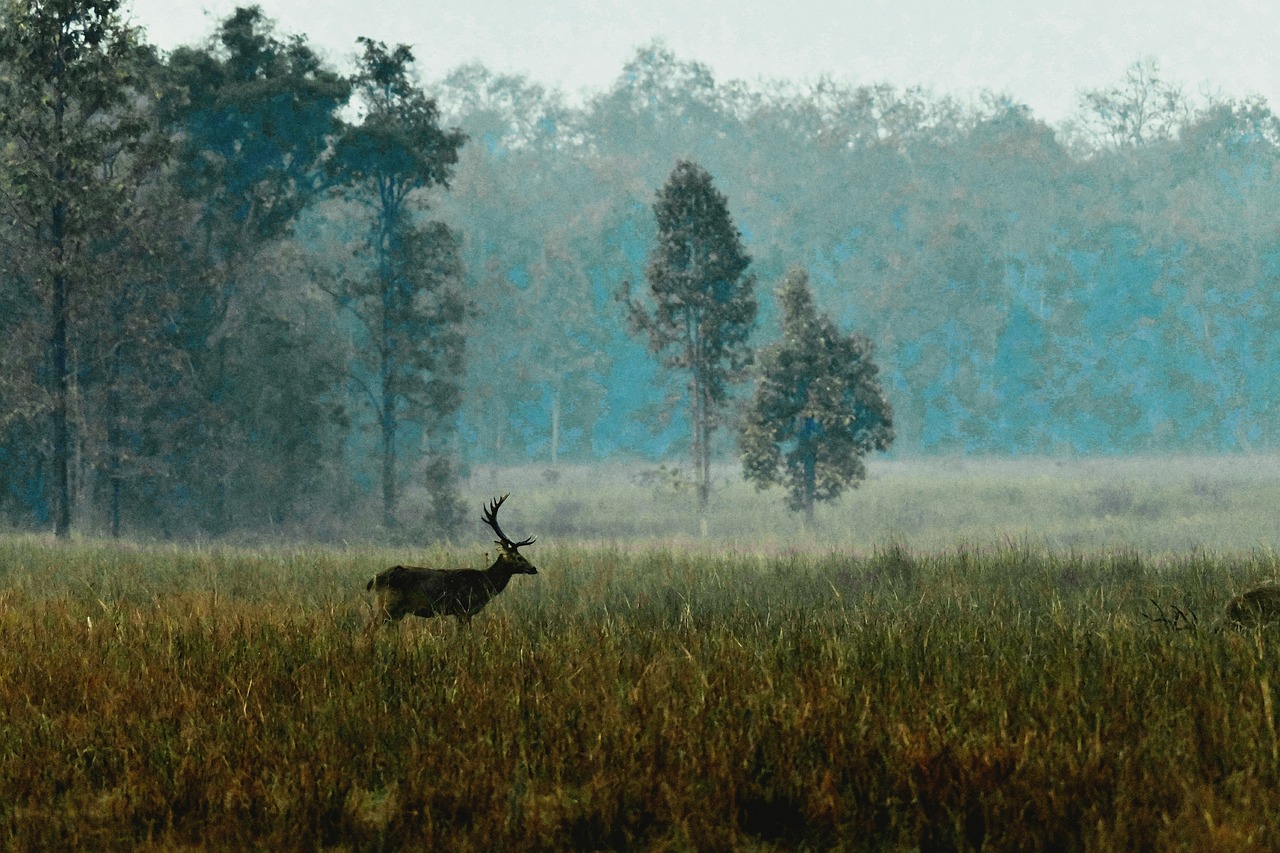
818, 408
704, 302
255, 112
64, 86
410, 301
130, 363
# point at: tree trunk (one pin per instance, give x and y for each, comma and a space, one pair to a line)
387, 422
555, 427
58, 343
387, 416
114, 440
810, 486
115, 507
701, 455
388, 464
809, 438
61, 391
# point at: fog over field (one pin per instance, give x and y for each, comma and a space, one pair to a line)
880, 400
256, 284
1156, 505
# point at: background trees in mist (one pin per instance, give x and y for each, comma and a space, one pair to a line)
1105, 285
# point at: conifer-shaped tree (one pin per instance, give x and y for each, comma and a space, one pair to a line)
704, 303
818, 408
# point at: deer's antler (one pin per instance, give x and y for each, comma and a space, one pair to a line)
491, 518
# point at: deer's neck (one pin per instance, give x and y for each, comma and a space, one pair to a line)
498, 575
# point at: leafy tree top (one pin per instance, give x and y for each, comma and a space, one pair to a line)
818, 407
398, 145
257, 113
704, 304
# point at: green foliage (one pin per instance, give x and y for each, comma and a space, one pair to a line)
398, 145
818, 407
246, 436
1005, 699
256, 112
410, 300
68, 69
703, 305
703, 301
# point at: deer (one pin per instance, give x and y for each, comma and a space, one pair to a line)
1256, 607
463, 593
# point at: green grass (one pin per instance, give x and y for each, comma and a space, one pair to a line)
636, 697
1157, 504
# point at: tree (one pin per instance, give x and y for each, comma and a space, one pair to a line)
704, 304
411, 300
129, 361
1144, 108
255, 113
64, 88
818, 408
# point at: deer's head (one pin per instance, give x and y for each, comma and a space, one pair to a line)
509, 556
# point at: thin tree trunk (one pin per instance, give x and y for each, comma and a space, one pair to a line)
388, 464
704, 496
114, 440
387, 420
114, 411
59, 339
701, 451
61, 391
115, 506
810, 485
555, 427
387, 416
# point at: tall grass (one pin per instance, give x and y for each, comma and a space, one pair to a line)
625, 698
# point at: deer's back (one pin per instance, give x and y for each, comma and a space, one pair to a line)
401, 590
1257, 606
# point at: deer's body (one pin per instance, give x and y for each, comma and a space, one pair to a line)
1255, 607
404, 590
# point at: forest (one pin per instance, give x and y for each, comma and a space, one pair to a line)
193, 340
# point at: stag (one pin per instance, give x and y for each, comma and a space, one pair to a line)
1256, 607
463, 593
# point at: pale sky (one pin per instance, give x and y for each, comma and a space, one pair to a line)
1042, 54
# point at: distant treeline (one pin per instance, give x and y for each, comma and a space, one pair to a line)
189, 317
1111, 285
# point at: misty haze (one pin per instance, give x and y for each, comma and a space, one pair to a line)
816, 401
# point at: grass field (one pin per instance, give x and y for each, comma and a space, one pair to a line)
1155, 504
759, 691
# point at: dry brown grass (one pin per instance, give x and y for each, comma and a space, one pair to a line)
652, 700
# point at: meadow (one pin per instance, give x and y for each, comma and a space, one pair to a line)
771, 690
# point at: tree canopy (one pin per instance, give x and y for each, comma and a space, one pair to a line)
175, 362
818, 407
